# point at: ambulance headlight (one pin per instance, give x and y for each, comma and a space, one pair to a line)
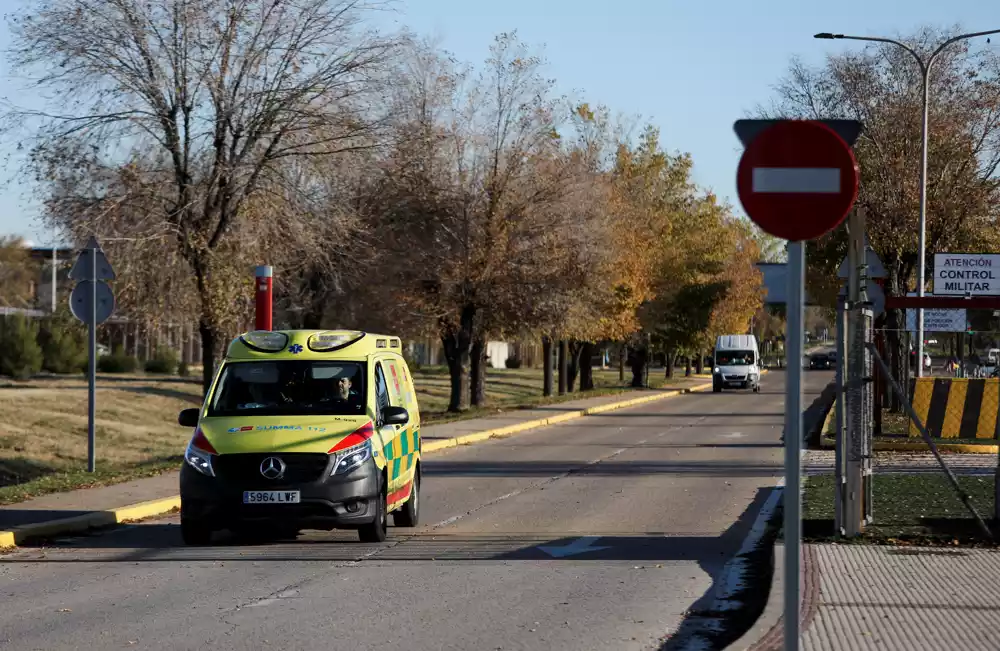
717, 370
351, 458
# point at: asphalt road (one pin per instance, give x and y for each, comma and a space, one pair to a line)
596, 534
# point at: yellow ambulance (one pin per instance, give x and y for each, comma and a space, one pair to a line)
304, 429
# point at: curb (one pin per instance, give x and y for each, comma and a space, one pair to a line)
761, 635
502, 432
87, 521
98, 519
920, 446
917, 445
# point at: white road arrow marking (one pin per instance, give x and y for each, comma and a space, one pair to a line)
578, 546
734, 435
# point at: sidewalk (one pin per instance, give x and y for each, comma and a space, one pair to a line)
821, 462
888, 597
102, 506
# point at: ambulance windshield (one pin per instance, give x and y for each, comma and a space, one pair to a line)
290, 387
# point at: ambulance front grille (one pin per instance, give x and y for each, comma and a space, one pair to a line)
300, 468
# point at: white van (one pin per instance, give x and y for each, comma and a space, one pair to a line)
737, 363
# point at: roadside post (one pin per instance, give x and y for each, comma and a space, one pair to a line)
797, 180
861, 301
92, 302
263, 284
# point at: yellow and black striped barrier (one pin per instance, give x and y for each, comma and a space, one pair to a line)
964, 408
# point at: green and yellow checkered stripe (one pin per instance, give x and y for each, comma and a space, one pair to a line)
961, 408
409, 447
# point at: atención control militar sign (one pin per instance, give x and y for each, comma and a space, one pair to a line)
966, 274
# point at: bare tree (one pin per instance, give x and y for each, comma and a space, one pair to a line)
220, 93
475, 198
881, 87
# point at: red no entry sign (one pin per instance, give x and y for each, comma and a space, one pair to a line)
797, 179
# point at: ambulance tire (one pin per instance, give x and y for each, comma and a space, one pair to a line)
409, 514
378, 530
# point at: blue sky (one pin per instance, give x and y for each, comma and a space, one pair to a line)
690, 67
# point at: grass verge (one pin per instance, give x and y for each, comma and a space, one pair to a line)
43, 422
920, 508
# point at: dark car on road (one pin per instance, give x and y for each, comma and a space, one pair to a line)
820, 361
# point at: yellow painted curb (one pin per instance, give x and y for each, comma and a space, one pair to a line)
80, 523
6, 539
152, 508
962, 448
501, 432
827, 443
146, 509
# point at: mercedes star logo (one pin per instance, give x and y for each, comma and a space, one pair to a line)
272, 468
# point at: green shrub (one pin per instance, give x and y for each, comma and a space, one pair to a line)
20, 354
183, 370
64, 344
117, 362
163, 363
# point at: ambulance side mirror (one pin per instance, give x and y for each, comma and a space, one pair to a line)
395, 416
188, 417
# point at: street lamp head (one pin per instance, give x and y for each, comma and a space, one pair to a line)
828, 35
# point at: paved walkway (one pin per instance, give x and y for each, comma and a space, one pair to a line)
821, 462
80, 502
893, 598
868, 597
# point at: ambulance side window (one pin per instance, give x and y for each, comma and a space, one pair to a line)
381, 393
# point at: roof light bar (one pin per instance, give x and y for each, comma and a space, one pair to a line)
325, 342
265, 341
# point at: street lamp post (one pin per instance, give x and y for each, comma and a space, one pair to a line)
925, 70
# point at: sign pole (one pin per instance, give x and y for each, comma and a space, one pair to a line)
92, 368
792, 168
92, 302
793, 442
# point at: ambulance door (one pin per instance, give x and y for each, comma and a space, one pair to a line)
392, 439
406, 435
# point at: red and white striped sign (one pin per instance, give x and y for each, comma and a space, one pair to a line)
797, 179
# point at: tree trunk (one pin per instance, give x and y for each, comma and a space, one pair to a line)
671, 358
637, 361
898, 357
587, 367
456, 351
622, 354
477, 387
574, 364
699, 363
563, 361
687, 366
548, 361
207, 354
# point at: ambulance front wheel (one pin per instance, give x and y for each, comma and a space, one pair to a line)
378, 529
